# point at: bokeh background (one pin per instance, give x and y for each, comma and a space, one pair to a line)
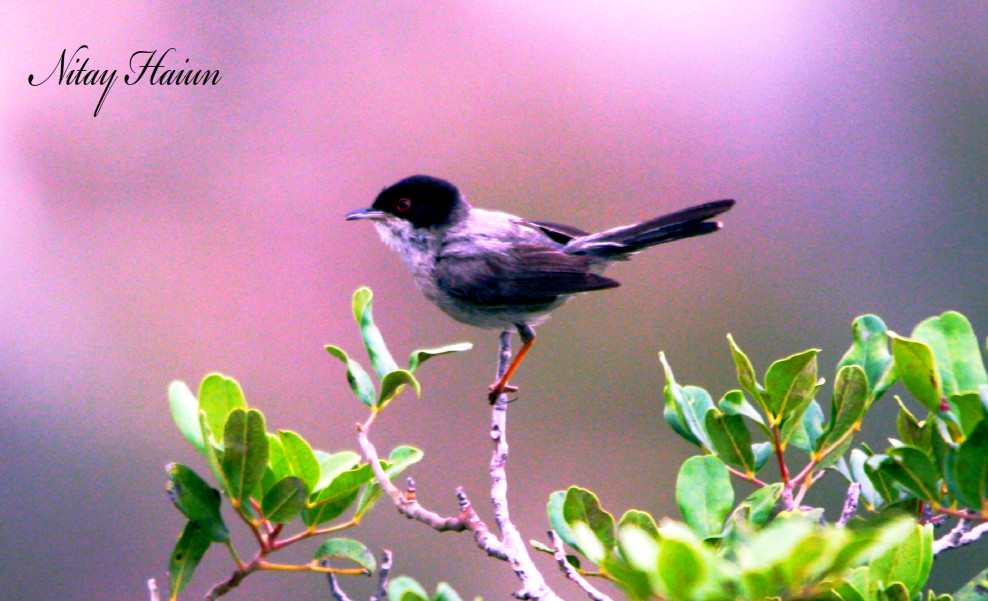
189, 230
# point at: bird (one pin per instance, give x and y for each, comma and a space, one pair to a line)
495, 270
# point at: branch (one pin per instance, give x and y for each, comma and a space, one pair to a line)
571, 572
850, 503
153, 590
964, 533
381, 594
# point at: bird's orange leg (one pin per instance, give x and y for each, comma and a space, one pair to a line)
527, 335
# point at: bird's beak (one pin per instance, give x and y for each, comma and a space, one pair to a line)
367, 213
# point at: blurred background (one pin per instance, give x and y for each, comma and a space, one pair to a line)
194, 229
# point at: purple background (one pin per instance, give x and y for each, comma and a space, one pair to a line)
188, 230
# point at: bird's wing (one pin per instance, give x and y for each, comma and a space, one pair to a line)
559, 232
526, 275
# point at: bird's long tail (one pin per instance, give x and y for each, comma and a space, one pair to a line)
625, 240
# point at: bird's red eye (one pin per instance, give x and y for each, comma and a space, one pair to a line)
403, 205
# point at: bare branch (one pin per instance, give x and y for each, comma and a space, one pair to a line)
571, 572
153, 590
334, 587
381, 594
850, 503
964, 533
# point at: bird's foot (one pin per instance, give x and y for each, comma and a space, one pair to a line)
497, 388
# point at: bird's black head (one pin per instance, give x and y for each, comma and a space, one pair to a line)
422, 200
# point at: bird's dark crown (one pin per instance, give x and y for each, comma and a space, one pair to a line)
422, 200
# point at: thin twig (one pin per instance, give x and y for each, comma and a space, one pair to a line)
153, 590
961, 534
533, 584
335, 589
850, 503
381, 594
571, 572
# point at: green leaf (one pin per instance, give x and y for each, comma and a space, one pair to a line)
554, 510
683, 566
857, 473
881, 480
332, 465
969, 409
870, 352
218, 396
349, 549
704, 494
734, 403
285, 500
186, 554
746, 373
393, 383
197, 501
332, 501
913, 469
730, 440
185, 412
917, 370
592, 526
849, 404
360, 382
420, 356
908, 562
300, 457
245, 452
445, 592
803, 427
404, 588
789, 384
376, 349
399, 460
910, 430
675, 404
974, 589
956, 352
641, 520
213, 455
969, 470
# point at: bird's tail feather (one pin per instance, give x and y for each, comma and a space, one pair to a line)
624, 240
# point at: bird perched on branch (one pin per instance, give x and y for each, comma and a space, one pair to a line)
494, 270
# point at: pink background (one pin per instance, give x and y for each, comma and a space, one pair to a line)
189, 230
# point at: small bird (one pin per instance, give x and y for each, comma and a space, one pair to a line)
498, 271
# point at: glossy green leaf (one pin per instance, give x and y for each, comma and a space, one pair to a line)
974, 589
197, 501
704, 494
285, 500
870, 352
913, 469
300, 457
360, 382
332, 465
445, 592
759, 506
916, 368
675, 404
763, 452
377, 350
881, 480
349, 549
734, 403
278, 466
399, 460
404, 588
245, 452
638, 559
213, 455
420, 356
641, 520
393, 383
910, 430
969, 409
857, 473
746, 373
790, 383
730, 439
554, 510
955, 348
185, 412
969, 470
683, 566
849, 404
592, 526
332, 501
185, 557
907, 562
803, 427
218, 396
